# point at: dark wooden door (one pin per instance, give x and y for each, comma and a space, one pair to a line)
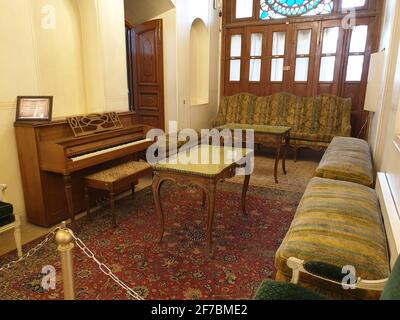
147, 43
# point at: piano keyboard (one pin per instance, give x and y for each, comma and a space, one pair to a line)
103, 151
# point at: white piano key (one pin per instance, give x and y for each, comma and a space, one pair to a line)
104, 151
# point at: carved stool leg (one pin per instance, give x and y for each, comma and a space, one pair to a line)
112, 206
87, 202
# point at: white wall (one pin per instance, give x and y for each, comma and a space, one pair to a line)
197, 116
177, 63
170, 66
385, 124
82, 68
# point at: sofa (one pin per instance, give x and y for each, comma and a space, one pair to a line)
315, 121
338, 223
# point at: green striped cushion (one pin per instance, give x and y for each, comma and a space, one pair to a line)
347, 159
338, 223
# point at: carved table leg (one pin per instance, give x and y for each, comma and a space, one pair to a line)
244, 192
157, 201
203, 198
211, 209
68, 195
287, 144
278, 155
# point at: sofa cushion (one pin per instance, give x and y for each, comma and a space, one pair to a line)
347, 159
338, 223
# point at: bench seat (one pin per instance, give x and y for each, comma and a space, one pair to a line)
115, 179
347, 159
338, 223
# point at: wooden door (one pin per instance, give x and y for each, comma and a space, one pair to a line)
148, 74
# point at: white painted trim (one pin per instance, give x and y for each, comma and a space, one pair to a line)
391, 216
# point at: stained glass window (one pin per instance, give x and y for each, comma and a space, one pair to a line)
279, 9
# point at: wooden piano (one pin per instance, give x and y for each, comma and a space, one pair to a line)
54, 158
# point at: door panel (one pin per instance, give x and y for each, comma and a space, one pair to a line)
148, 74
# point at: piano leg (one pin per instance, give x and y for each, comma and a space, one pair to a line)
68, 195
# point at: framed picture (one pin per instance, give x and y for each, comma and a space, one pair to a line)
34, 108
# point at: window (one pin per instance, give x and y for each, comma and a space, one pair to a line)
303, 55
255, 56
244, 9
278, 53
280, 9
356, 59
236, 53
347, 4
329, 49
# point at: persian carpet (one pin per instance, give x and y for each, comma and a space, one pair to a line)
178, 268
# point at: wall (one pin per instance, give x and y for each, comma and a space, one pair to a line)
197, 116
178, 78
36, 61
170, 65
383, 128
199, 63
82, 76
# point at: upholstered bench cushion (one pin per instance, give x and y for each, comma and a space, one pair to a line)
120, 172
338, 223
347, 159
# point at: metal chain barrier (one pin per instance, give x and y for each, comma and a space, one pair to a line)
103, 268
31, 252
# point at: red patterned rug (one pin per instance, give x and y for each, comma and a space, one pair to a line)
179, 268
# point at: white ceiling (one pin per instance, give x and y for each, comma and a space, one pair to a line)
138, 11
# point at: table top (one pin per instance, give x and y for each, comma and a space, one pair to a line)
203, 160
256, 128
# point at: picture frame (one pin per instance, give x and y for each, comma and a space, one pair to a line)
34, 108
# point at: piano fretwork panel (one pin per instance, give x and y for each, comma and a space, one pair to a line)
53, 163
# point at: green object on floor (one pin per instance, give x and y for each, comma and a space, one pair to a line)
271, 290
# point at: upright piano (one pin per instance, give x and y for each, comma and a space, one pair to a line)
54, 159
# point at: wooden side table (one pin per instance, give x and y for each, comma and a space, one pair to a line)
203, 176
271, 137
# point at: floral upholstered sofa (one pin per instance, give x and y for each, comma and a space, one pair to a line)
315, 121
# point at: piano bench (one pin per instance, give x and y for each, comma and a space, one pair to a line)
114, 180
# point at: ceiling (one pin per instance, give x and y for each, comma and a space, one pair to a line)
138, 11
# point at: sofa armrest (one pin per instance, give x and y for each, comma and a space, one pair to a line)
346, 130
330, 273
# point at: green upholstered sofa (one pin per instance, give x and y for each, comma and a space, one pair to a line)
340, 224
315, 121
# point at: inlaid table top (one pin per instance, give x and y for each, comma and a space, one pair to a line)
206, 160
256, 128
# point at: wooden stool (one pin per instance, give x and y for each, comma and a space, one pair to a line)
114, 180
